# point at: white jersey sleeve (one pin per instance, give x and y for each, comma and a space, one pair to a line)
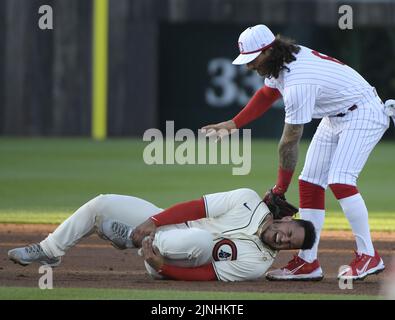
222, 202
299, 101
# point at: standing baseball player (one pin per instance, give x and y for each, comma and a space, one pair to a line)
314, 85
227, 236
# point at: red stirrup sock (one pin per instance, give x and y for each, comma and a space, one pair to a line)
342, 191
312, 208
311, 196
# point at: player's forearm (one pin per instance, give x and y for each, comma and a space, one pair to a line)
202, 273
288, 149
182, 212
288, 155
259, 104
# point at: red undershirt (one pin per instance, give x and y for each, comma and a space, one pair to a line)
262, 100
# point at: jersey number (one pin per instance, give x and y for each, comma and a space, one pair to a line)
325, 57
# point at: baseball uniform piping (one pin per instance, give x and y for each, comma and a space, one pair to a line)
249, 222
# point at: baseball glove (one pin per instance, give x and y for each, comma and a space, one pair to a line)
278, 205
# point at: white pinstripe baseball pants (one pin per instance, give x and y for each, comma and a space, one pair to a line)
179, 244
341, 145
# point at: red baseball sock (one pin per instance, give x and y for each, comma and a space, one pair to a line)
312, 208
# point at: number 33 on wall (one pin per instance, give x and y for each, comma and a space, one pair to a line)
230, 85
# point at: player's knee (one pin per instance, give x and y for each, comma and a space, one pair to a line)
196, 241
98, 201
97, 204
346, 177
318, 181
202, 243
191, 244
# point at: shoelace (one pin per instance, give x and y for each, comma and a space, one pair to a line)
34, 248
120, 230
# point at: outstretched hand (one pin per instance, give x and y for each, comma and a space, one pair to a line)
147, 228
219, 130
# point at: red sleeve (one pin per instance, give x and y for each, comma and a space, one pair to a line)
202, 273
182, 212
284, 179
259, 104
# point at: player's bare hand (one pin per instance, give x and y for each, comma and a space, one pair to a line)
151, 254
219, 130
147, 228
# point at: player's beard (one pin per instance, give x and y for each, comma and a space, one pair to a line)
261, 73
263, 70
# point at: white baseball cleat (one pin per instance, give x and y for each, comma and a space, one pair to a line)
32, 253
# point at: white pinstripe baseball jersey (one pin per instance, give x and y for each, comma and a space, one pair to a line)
317, 86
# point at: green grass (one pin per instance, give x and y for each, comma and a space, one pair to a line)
379, 221
14, 293
45, 180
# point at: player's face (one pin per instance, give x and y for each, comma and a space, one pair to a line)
258, 64
284, 234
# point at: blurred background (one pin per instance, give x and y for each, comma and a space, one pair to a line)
167, 60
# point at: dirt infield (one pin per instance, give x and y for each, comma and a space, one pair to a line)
95, 263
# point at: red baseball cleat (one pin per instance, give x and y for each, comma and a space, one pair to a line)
362, 266
297, 269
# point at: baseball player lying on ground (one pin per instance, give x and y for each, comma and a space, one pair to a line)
228, 236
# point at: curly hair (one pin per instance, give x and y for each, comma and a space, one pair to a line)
309, 233
282, 51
